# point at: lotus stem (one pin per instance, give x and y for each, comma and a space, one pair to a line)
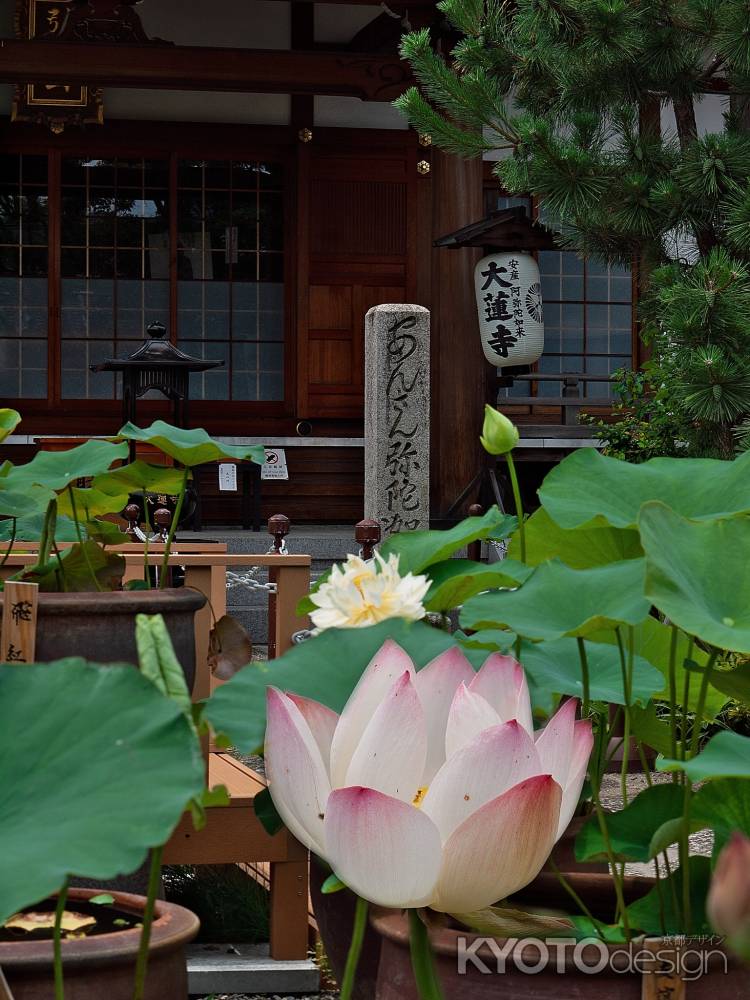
627, 674
62, 898
700, 708
355, 948
148, 919
172, 529
518, 503
673, 690
6, 554
597, 924
586, 701
84, 550
422, 961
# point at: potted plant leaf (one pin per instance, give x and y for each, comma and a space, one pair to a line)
83, 609
626, 592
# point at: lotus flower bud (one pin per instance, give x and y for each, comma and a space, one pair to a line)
499, 435
729, 896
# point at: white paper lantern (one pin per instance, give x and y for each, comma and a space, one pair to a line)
509, 303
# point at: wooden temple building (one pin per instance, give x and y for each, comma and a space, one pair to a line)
235, 171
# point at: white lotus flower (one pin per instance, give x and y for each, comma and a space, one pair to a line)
364, 592
430, 788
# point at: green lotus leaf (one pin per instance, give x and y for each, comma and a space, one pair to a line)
190, 447
724, 806
726, 755
29, 529
97, 768
105, 532
632, 829
141, 477
558, 601
73, 571
696, 574
554, 668
58, 469
456, 580
659, 912
419, 549
588, 484
594, 544
326, 668
22, 499
652, 640
9, 420
90, 503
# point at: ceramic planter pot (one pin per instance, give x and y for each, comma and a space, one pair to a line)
103, 967
527, 973
101, 627
334, 915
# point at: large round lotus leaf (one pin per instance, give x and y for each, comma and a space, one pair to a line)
140, 477
57, 469
96, 767
587, 484
558, 601
593, 544
696, 574
418, 549
90, 503
190, 447
9, 420
326, 668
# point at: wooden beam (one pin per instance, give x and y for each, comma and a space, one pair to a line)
369, 77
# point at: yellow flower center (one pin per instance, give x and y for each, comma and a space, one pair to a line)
419, 797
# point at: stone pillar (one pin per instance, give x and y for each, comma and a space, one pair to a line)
397, 417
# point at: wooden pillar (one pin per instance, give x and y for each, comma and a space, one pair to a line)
459, 369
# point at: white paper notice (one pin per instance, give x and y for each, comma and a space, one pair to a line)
275, 466
228, 477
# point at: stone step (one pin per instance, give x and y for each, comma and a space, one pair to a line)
246, 969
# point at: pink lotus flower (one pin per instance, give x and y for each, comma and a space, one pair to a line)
430, 788
728, 903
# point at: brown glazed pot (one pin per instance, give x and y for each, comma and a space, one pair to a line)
559, 976
334, 914
564, 851
101, 627
103, 967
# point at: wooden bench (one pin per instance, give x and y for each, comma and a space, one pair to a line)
233, 834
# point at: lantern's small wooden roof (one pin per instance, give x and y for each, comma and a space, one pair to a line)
157, 351
504, 229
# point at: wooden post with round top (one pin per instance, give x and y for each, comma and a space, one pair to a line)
279, 526
367, 534
474, 549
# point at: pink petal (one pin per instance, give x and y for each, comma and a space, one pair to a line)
386, 666
436, 687
297, 778
391, 754
321, 720
555, 742
583, 743
382, 848
500, 848
493, 762
502, 682
469, 715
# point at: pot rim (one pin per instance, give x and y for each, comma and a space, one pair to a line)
173, 926
122, 602
392, 924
